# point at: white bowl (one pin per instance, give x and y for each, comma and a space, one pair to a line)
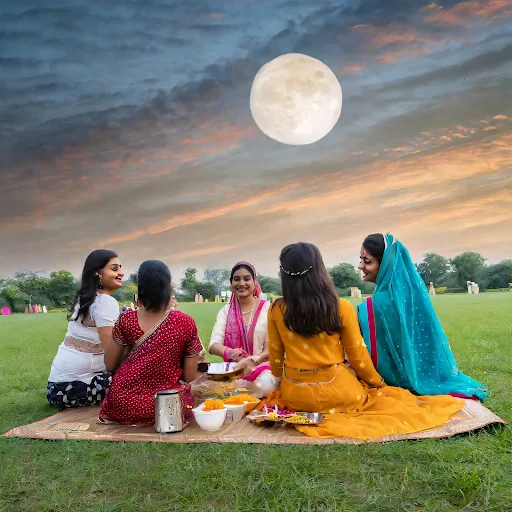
210, 420
235, 411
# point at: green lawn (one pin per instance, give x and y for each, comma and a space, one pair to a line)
462, 473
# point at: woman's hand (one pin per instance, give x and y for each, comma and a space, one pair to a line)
248, 365
236, 354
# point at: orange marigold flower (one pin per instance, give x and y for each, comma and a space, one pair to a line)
213, 405
240, 399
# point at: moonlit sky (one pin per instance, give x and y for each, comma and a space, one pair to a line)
126, 125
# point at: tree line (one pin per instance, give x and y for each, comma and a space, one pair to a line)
451, 274
57, 289
454, 273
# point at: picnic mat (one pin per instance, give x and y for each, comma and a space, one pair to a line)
82, 424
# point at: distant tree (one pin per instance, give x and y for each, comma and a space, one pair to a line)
189, 282
33, 284
433, 267
497, 276
469, 267
133, 277
345, 275
13, 298
219, 277
270, 285
366, 287
126, 293
449, 280
207, 290
61, 288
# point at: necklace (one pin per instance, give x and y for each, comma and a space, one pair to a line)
250, 310
247, 325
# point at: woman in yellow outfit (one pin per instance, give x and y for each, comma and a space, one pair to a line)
311, 331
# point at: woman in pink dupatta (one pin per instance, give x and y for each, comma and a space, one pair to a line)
240, 333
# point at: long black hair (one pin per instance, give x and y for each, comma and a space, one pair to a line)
86, 294
309, 294
154, 285
375, 245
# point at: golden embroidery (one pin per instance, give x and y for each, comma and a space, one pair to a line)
83, 346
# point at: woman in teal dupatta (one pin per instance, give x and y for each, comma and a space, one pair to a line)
401, 329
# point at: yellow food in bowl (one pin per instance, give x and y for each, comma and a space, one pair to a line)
241, 399
213, 405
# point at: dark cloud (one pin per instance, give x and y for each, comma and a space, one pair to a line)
445, 110
90, 73
471, 68
119, 120
215, 29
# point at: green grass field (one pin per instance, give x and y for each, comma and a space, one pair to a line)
469, 472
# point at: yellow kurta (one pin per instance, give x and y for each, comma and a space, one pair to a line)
353, 403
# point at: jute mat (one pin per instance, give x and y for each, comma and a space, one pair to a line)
83, 424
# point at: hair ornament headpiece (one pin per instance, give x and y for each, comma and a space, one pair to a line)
305, 271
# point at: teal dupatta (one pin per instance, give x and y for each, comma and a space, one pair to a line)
403, 334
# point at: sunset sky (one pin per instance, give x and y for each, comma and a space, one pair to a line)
127, 126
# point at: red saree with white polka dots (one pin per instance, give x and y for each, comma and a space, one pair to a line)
154, 364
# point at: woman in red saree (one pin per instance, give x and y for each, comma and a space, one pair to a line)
240, 333
160, 347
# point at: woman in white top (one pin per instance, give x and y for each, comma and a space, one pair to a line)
78, 375
240, 332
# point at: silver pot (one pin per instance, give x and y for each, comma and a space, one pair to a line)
169, 412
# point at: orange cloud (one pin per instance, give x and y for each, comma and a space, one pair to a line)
501, 117
400, 41
80, 182
421, 197
219, 138
421, 181
189, 218
205, 251
403, 53
489, 128
217, 15
465, 129
392, 34
351, 68
463, 12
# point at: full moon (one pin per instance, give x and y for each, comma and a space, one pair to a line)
295, 99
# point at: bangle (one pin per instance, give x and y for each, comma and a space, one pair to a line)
256, 359
226, 357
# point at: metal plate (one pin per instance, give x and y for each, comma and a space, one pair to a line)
315, 418
223, 371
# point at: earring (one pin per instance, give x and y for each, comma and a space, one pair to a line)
100, 283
